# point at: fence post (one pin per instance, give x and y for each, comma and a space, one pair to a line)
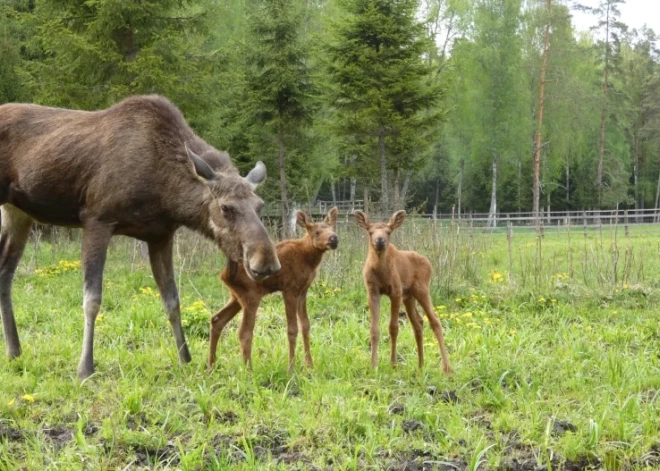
625, 222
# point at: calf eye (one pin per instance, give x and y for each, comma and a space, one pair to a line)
318, 233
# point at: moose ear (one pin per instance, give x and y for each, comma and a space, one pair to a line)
257, 174
362, 219
331, 217
202, 169
397, 219
302, 219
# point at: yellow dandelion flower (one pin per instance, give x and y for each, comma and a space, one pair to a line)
100, 318
541, 300
28, 397
458, 300
467, 314
625, 286
11, 403
513, 331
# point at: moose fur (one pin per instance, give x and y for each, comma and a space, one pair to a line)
300, 260
403, 276
134, 169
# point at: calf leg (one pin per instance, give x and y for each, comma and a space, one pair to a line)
303, 319
425, 300
13, 237
160, 256
374, 309
395, 302
246, 331
291, 306
416, 323
218, 322
95, 240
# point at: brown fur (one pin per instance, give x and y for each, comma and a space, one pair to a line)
300, 260
402, 276
132, 169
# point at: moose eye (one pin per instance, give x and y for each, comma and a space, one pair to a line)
318, 233
225, 209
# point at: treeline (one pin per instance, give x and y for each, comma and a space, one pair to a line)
478, 105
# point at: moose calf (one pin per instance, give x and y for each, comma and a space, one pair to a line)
403, 276
299, 260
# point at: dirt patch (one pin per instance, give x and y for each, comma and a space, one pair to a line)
226, 417
270, 442
582, 463
10, 433
396, 409
60, 436
449, 396
412, 425
91, 429
560, 427
651, 459
147, 456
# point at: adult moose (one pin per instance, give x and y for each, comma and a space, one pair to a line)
134, 169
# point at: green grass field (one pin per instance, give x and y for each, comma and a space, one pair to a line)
555, 345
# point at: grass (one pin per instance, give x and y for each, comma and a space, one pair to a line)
555, 344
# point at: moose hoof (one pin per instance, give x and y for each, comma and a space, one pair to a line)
184, 354
85, 371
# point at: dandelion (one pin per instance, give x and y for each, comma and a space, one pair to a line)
459, 300
513, 331
440, 307
148, 291
553, 300
100, 318
496, 277
541, 300
625, 286
467, 314
11, 403
28, 397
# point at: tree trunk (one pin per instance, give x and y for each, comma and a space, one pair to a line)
334, 191
635, 170
437, 195
384, 196
603, 116
284, 198
397, 202
536, 186
568, 183
404, 189
366, 199
317, 191
492, 212
353, 186
460, 189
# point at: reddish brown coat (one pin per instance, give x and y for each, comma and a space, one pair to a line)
300, 259
403, 276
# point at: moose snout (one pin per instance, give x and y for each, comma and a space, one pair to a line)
333, 242
380, 243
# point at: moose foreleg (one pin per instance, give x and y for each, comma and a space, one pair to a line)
160, 256
15, 231
303, 319
374, 309
95, 240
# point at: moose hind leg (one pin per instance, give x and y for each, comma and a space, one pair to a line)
162, 267
13, 237
96, 238
425, 300
416, 323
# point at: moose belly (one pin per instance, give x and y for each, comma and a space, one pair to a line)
55, 209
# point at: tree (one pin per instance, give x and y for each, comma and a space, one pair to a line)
382, 91
280, 94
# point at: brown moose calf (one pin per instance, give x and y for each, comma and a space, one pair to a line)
403, 276
299, 260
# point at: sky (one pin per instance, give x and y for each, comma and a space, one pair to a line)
634, 13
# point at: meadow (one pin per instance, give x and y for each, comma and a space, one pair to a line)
555, 344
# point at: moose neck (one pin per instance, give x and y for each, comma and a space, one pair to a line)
380, 258
192, 210
312, 254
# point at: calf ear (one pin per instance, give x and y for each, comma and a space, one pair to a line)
303, 220
362, 219
331, 217
202, 169
397, 219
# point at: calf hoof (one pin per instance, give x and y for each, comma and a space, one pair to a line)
447, 370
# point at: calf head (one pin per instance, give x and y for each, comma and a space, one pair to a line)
322, 233
234, 218
379, 232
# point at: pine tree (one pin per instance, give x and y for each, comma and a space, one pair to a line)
381, 88
279, 94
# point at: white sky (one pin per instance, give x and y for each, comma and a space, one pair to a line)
634, 13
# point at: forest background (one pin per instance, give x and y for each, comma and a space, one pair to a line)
433, 105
